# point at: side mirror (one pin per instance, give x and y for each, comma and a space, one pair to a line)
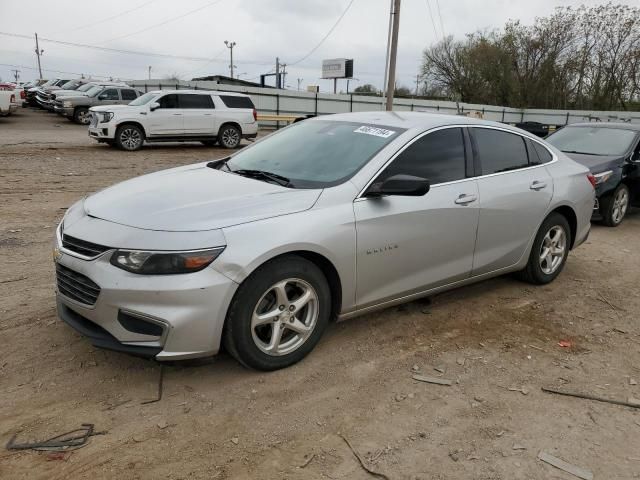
404, 185
635, 157
154, 106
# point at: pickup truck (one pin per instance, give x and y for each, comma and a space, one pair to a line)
8, 103
76, 108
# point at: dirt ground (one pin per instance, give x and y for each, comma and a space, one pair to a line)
218, 420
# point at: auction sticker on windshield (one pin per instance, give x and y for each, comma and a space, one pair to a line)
378, 132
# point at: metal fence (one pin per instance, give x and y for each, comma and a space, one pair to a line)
290, 102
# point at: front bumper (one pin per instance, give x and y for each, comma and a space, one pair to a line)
189, 309
101, 131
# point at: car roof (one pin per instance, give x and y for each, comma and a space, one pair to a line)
417, 120
623, 125
213, 92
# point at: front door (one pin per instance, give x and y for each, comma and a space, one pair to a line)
199, 114
515, 193
407, 245
167, 119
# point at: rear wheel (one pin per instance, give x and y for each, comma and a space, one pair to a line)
129, 137
614, 207
81, 116
549, 252
229, 136
278, 314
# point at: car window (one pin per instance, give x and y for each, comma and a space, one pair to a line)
109, 94
438, 157
539, 155
232, 101
168, 101
144, 99
128, 94
195, 101
500, 151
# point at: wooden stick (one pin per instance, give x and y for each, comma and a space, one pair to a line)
360, 459
590, 397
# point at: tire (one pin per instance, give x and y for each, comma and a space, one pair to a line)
287, 280
129, 137
209, 143
553, 233
614, 207
229, 136
81, 116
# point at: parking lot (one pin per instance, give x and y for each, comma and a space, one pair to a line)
498, 341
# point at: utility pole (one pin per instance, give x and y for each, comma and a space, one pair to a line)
16, 74
299, 82
38, 53
417, 83
230, 46
393, 53
386, 60
149, 67
284, 75
277, 72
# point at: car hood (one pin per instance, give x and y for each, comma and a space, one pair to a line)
596, 163
111, 108
195, 198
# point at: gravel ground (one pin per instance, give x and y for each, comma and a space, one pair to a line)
218, 420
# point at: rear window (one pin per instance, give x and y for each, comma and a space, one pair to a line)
540, 154
500, 151
237, 102
195, 101
128, 94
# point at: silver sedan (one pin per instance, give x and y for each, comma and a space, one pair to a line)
329, 218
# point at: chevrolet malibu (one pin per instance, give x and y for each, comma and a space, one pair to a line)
329, 218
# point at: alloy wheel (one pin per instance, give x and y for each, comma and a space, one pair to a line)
130, 138
284, 317
230, 138
552, 250
620, 204
84, 117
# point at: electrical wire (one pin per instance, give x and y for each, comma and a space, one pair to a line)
441, 24
173, 19
89, 75
212, 60
435, 30
325, 37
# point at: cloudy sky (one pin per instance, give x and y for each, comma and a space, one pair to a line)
262, 30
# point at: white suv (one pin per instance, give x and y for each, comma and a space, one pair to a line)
176, 116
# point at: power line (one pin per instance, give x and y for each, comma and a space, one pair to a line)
56, 71
82, 27
325, 37
435, 30
441, 24
173, 19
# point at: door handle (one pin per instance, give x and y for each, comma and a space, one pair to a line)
176, 114
465, 199
207, 114
537, 185
143, 113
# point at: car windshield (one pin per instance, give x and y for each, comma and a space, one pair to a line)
93, 91
315, 153
592, 140
144, 99
70, 85
86, 87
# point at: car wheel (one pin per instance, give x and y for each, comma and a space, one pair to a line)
209, 143
549, 252
229, 136
614, 207
81, 116
278, 314
129, 137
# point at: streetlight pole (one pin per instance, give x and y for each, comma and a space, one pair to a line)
38, 53
230, 46
393, 52
149, 67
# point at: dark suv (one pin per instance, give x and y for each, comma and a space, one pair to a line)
612, 152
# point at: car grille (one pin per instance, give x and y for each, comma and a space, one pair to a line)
76, 286
82, 247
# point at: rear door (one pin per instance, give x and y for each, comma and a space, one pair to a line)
406, 244
515, 193
167, 119
199, 114
108, 96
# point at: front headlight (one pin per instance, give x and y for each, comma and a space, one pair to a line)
602, 176
105, 117
164, 263
67, 104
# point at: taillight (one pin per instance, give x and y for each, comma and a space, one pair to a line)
255, 115
22, 94
592, 180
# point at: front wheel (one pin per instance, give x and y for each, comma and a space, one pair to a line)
81, 116
549, 251
278, 314
229, 136
614, 207
129, 137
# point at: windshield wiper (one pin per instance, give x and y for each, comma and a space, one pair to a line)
584, 153
261, 174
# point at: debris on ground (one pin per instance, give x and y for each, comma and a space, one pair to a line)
522, 390
235, 440
362, 462
517, 446
631, 402
308, 461
565, 343
566, 467
436, 380
160, 387
632, 381
64, 442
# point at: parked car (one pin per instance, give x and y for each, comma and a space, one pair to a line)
177, 115
45, 87
46, 99
330, 217
76, 108
537, 128
8, 102
612, 152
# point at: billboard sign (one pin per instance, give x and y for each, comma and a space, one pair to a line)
337, 68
